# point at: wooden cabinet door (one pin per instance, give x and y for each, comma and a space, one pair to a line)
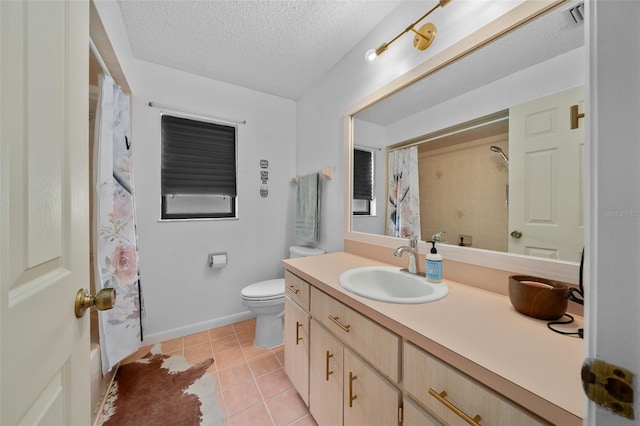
414, 415
296, 347
326, 378
369, 399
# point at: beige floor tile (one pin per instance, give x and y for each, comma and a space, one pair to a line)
251, 351
244, 325
216, 333
274, 383
196, 339
246, 337
307, 420
224, 343
287, 407
254, 416
172, 345
229, 357
241, 397
279, 353
234, 375
263, 364
198, 352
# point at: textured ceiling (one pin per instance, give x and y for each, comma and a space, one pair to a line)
276, 47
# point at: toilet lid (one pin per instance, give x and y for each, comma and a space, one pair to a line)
270, 289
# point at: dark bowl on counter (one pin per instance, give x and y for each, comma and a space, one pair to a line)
539, 298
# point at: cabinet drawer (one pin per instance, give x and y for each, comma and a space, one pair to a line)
373, 342
297, 289
441, 390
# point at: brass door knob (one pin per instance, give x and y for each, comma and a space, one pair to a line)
516, 234
104, 300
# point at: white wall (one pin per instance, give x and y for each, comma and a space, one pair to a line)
320, 111
181, 294
179, 289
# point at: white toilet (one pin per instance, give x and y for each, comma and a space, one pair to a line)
266, 300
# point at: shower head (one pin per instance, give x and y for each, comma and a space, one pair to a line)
499, 151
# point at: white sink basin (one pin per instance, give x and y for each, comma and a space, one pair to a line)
390, 284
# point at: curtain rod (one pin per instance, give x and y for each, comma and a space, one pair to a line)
368, 148
454, 132
194, 113
96, 54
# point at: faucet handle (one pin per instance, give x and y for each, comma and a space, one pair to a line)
413, 240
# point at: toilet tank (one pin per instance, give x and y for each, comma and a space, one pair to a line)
304, 251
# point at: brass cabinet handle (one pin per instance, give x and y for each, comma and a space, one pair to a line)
441, 397
352, 397
327, 372
336, 320
298, 338
293, 289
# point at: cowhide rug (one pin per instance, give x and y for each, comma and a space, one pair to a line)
162, 390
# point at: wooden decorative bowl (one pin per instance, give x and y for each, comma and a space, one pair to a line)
538, 297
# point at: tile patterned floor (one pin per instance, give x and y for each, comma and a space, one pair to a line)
252, 387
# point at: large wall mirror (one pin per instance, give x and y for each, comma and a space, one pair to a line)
481, 152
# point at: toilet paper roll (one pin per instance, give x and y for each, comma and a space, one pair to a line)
217, 260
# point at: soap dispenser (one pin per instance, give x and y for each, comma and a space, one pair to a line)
434, 265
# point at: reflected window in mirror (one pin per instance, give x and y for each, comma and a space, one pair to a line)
363, 182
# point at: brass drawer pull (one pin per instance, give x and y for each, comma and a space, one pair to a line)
298, 338
339, 324
441, 397
352, 397
327, 372
293, 289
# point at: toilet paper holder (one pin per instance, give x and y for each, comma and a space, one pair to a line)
218, 260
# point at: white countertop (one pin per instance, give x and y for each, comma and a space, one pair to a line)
476, 331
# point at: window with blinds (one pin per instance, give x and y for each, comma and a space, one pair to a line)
198, 169
363, 191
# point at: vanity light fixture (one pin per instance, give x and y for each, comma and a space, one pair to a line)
423, 38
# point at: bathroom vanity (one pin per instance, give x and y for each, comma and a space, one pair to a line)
468, 357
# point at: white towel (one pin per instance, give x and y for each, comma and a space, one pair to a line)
308, 209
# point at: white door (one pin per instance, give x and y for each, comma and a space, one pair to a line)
44, 243
546, 196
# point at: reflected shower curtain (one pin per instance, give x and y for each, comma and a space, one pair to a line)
115, 239
403, 209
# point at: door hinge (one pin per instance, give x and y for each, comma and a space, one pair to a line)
609, 386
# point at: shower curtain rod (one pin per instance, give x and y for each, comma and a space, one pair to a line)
194, 113
454, 132
96, 54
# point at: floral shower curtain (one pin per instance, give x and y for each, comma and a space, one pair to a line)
403, 209
115, 238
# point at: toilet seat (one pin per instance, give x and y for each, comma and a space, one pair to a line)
264, 290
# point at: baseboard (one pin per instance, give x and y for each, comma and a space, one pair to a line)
162, 336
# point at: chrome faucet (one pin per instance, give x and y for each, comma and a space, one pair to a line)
411, 250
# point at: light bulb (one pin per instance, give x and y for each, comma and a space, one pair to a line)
370, 55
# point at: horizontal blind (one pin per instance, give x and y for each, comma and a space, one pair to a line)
362, 175
197, 157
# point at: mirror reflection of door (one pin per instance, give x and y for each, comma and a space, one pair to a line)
546, 217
